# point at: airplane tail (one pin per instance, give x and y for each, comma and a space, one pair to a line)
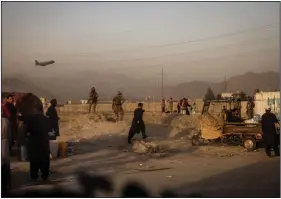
36, 63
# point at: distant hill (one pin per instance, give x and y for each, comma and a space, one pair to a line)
76, 86
18, 85
268, 81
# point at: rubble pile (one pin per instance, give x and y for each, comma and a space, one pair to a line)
185, 121
147, 147
183, 126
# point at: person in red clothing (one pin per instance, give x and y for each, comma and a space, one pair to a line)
10, 112
185, 105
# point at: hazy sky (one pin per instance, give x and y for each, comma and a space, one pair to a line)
191, 41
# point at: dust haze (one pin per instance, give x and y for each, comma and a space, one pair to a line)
124, 45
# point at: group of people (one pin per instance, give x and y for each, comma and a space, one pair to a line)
33, 131
183, 106
117, 102
269, 123
234, 115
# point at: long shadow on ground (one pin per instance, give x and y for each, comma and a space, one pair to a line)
108, 152
259, 180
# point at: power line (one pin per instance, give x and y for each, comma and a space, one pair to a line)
240, 44
208, 59
184, 53
181, 43
202, 39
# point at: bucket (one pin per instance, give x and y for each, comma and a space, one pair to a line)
23, 153
62, 148
257, 118
69, 148
53, 148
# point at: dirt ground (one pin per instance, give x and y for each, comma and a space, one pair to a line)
213, 170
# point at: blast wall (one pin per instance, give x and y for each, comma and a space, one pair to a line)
149, 107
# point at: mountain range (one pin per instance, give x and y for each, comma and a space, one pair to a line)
76, 86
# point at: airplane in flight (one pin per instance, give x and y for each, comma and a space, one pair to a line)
45, 63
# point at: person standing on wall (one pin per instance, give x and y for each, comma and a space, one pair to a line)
269, 123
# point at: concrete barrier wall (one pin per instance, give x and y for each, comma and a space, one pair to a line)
149, 107
128, 107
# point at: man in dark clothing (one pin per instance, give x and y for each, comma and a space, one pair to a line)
234, 116
39, 130
137, 123
179, 105
11, 115
269, 122
53, 116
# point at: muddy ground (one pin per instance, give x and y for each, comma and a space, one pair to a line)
213, 170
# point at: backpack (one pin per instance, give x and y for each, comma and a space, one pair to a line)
117, 101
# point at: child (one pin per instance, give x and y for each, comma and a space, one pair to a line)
137, 123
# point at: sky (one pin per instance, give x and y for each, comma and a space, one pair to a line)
189, 40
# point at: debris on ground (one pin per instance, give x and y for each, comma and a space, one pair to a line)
147, 147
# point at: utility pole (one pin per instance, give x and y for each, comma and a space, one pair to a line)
162, 88
225, 85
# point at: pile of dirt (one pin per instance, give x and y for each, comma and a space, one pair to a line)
168, 118
211, 126
147, 147
184, 126
89, 126
185, 121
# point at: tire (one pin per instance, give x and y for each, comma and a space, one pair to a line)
197, 140
249, 143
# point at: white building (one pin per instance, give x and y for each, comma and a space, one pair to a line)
264, 99
226, 95
84, 101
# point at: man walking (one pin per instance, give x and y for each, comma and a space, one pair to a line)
137, 123
269, 122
